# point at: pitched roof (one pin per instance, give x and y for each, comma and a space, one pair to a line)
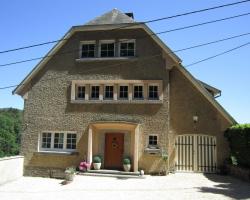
216, 92
113, 17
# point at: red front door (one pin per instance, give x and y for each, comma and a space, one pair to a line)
114, 145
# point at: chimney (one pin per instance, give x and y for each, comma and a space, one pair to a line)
130, 15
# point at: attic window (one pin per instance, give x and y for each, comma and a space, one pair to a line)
107, 48
127, 48
88, 49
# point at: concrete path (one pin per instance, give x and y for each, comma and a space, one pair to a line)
175, 186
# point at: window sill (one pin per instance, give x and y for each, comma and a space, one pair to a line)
105, 58
57, 153
117, 101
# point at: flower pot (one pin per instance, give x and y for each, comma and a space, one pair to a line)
69, 176
127, 167
97, 166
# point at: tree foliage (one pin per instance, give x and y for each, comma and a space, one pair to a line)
10, 127
239, 140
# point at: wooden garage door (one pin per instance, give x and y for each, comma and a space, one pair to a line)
195, 153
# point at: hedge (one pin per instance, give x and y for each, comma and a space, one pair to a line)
239, 140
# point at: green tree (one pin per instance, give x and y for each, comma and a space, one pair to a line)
10, 127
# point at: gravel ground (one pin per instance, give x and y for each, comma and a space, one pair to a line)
175, 186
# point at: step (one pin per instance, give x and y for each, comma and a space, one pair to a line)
117, 172
125, 176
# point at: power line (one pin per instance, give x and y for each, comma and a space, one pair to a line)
220, 54
212, 42
162, 32
145, 22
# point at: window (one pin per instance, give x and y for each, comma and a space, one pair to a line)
153, 92
107, 49
123, 93
71, 141
46, 140
138, 92
109, 92
127, 48
95, 90
88, 49
152, 141
58, 140
81, 92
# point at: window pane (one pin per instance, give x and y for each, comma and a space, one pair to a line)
127, 49
152, 140
108, 50
88, 50
71, 141
123, 92
138, 92
95, 92
46, 140
153, 92
109, 92
58, 140
81, 92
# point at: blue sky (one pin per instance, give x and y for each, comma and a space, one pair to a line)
29, 22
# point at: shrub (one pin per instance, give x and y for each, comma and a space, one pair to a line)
239, 141
126, 161
97, 159
70, 170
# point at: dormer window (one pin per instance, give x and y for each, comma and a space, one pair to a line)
88, 49
127, 48
107, 48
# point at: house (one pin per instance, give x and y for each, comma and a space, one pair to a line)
112, 88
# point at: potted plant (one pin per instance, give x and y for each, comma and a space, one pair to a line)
70, 173
97, 162
126, 164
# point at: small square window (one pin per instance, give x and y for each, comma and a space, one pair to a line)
109, 92
107, 49
152, 141
153, 92
46, 140
88, 51
95, 91
81, 92
123, 94
71, 141
138, 92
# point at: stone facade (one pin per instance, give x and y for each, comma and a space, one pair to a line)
48, 105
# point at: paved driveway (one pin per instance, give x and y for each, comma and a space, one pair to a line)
175, 186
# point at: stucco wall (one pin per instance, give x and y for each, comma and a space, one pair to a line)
11, 168
48, 105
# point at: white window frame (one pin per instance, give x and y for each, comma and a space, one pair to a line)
127, 41
133, 89
87, 42
121, 98
77, 92
52, 149
106, 42
104, 92
150, 145
158, 92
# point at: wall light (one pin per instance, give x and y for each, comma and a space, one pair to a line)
195, 118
